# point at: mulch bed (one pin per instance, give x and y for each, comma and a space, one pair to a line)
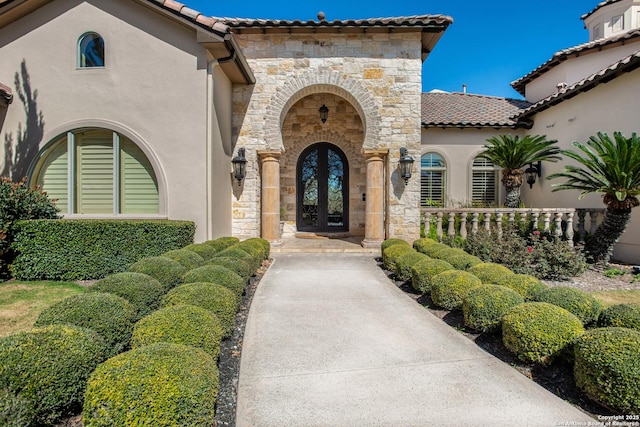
557, 378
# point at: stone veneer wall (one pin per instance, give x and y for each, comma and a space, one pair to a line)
375, 76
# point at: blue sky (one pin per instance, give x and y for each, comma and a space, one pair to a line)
489, 44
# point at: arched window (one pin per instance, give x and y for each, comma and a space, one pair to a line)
90, 51
433, 175
484, 183
97, 171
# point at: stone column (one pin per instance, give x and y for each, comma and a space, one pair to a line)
270, 195
374, 214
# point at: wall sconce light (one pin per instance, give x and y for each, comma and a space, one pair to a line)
406, 165
239, 163
531, 172
324, 113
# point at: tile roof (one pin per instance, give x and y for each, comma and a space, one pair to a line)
605, 75
5, 93
194, 16
401, 21
600, 5
464, 110
563, 55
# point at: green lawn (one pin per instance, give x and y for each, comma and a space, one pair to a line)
618, 297
21, 302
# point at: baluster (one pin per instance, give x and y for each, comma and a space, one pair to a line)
452, 225
474, 223
463, 225
523, 220
557, 232
547, 221
569, 232
581, 231
499, 224
487, 221
427, 223
439, 225
593, 220
536, 216
512, 219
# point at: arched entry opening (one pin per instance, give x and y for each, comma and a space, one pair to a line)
322, 189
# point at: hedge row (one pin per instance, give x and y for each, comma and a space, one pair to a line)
164, 335
91, 249
538, 324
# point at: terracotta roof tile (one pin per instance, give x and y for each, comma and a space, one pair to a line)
605, 75
563, 55
464, 110
600, 5
192, 15
405, 21
5, 93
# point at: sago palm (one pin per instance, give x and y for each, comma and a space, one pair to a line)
512, 154
611, 167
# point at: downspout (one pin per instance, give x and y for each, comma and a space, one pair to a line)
211, 122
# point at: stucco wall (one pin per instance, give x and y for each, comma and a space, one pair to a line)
154, 87
577, 68
378, 74
608, 107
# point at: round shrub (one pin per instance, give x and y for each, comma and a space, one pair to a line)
392, 253
109, 315
180, 324
216, 298
434, 248
484, 306
234, 252
449, 288
222, 243
219, 275
390, 242
205, 251
262, 244
423, 272
253, 248
47, 369
405, 262
142, 291
462, 261
447, 252
420, 244
528, 286
165, 270
489, 272
188, 259
158, 385
622, 315
239, 266
539, 332
585, 306
15, 410
607, 369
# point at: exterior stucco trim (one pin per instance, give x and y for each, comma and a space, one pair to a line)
158, 169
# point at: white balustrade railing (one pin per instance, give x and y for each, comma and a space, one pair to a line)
562, 222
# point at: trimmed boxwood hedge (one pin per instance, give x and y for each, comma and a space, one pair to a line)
165, 270
218, 299
15, 410
462, 261
258, 246
528, 286
47, 369
448, 252
449, 287
78, 249
607, 368
621, 315
235, 252
180, 324
405, 262
240, 266
540, 332
420, 244
109, 315
433, 249
391, 254
484, 306
141, 290
188, 259
390, 242
222, 243
423, 272
583, 305
489, 272
157, 385
219, 275
205, 251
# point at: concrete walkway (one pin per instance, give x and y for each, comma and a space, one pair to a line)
330, 341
